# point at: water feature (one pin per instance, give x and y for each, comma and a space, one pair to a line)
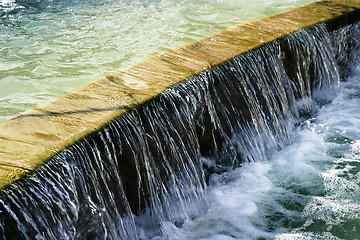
51, 47
170, 169
307, 190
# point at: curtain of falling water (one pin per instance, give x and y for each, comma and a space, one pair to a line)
152, 165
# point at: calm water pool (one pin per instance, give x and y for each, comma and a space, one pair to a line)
51, 47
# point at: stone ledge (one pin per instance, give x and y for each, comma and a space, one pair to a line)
35, 136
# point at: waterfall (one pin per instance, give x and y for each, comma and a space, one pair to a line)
152, 165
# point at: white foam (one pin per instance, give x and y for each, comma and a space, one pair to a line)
315, 172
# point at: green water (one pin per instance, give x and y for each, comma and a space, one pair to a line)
51, 47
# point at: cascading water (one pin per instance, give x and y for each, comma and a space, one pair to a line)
149, 173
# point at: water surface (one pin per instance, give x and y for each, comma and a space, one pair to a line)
51, 47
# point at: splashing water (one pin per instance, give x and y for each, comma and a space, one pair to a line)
308, 190
170, 169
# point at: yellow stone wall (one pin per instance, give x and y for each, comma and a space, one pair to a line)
36, 135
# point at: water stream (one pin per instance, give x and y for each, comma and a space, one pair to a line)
252, 149
307, 190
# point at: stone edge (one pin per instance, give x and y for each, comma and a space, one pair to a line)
35, 136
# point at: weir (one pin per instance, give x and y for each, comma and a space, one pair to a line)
134, 170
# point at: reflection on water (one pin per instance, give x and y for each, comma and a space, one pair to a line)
48, 48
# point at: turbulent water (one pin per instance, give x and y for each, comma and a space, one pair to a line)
256, 148
308, 190
249, 150
51, 47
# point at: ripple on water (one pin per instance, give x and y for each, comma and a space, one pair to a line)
84, 40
